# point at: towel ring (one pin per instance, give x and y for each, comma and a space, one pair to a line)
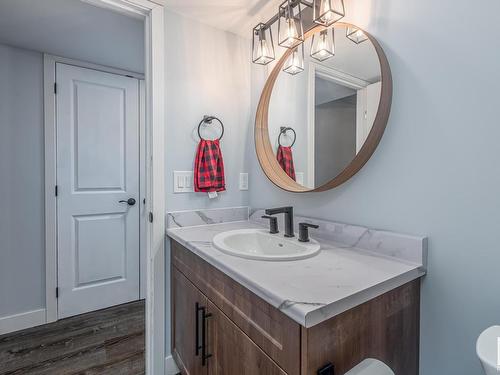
208, 120
283, 130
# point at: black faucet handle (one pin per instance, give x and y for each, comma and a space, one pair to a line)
308, 225
304, 231
273, 224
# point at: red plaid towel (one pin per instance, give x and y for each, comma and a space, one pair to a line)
285, 159
209, 167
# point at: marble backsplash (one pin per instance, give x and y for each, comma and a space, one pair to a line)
179, 219
406, 247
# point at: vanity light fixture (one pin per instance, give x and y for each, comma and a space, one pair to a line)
290, 29
356, 35
295, 63
262, 45
291, 32
327, 12
323, 45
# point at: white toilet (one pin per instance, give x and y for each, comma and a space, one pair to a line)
371, 366
488, 350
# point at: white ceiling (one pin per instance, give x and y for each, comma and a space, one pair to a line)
74, 29
327, 91
237, 16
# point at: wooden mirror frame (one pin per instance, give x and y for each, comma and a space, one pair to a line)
263, 146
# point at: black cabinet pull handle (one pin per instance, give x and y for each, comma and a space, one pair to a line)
197, 328
130, 201
204, 355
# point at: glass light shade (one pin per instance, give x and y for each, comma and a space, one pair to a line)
290, 28
262, 45
356, 35
327, 12
323, 45
295, 63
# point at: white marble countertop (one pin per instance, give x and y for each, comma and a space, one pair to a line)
312, 290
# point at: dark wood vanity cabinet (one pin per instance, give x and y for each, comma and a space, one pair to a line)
206, 342
186, 323
239, 333
233, 352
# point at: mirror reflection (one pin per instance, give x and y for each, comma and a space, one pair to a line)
324, 104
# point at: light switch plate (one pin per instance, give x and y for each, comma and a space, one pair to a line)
183, 182
243, 181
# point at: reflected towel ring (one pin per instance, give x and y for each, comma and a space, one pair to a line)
283, 130
208, 120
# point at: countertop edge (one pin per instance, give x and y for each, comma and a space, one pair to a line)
320, 315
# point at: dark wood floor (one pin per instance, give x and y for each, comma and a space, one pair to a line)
107, 342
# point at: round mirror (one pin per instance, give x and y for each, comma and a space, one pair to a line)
323, 109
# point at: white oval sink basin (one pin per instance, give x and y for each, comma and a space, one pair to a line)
261, 245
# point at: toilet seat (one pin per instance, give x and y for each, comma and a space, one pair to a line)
487, 350
370, 366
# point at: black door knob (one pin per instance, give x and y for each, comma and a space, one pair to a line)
130, 201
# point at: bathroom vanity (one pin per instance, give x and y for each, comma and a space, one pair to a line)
240, 316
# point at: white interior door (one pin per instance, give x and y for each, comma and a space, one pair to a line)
97, 118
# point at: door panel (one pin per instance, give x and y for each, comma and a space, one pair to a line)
185, 296
94, 266
99, 159
97, 118
232, 351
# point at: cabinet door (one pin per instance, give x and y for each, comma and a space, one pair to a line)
232, 352
187, 304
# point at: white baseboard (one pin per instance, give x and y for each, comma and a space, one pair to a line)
170, 366
21, 321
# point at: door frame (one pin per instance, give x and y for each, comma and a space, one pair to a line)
330, 74
152, 12
50, 121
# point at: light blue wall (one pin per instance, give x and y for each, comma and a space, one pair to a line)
22, 235
437, 170
207, 73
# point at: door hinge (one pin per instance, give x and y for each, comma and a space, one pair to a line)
56, 190
150, 217
55, 88
57, 292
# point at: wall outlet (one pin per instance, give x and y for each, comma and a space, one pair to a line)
243, 181
183, 182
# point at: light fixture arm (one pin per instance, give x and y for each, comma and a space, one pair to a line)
294, 3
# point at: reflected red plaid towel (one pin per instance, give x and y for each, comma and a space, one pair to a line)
209, 167
285, 159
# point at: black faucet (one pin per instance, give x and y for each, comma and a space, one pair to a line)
304, 231
288, 211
